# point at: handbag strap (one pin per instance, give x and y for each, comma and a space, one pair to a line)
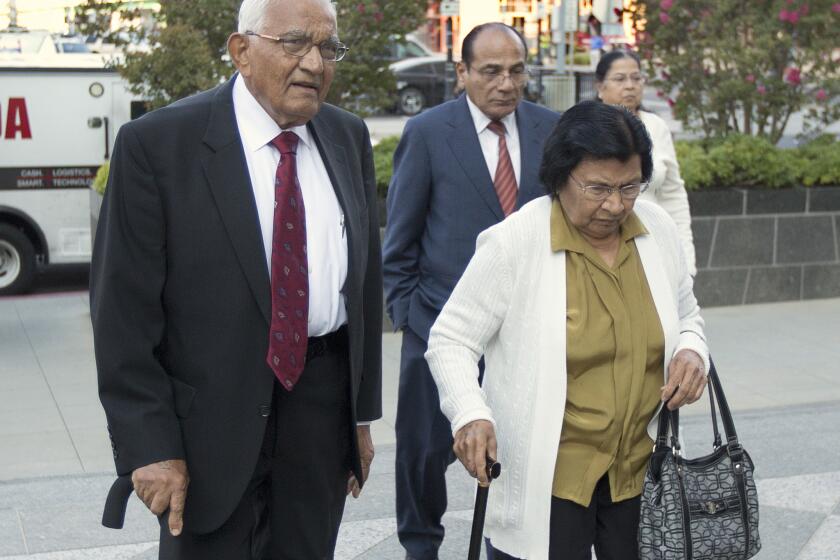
725, 414
670, 419
717, 441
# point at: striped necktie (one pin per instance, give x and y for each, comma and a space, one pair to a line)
505, 179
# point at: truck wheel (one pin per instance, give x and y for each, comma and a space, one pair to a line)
17, 261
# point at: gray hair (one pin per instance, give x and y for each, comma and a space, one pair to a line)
251, 13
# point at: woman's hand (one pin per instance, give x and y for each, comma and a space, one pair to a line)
473, 443
686, 379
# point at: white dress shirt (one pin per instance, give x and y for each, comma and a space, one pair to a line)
326, 239
489, 140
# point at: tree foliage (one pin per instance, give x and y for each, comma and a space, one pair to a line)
745, 67
363, 82
188, 47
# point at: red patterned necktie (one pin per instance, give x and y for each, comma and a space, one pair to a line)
505, 179
289, 269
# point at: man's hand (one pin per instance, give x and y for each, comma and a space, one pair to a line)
366, 458
163, 486
686, 379
473, 444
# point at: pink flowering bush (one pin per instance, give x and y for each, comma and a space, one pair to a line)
743, 67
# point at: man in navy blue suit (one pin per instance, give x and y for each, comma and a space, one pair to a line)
459, 168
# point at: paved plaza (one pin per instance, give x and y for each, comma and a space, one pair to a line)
779, 364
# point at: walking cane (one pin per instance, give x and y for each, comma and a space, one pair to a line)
494, 469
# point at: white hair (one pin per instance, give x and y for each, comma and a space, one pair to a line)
251, 13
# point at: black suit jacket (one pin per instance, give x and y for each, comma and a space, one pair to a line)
180, 296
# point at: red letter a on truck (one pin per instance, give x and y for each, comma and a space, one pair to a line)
17, 119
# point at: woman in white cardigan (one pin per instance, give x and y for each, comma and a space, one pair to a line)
582, 305
620, 81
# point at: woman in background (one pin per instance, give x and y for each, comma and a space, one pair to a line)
620, 81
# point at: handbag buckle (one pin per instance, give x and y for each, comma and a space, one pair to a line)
713, 506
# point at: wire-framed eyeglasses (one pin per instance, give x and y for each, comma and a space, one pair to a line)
602, 192
331, 51
492, 75
635, 79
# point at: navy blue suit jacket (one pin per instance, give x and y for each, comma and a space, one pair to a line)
440, 198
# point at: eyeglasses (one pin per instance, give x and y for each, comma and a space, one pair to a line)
331, 51
636, 79
495, 76
603, 192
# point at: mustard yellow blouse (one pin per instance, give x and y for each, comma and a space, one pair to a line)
614, 359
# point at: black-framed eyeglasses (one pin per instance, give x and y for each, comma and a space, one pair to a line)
602, 192
331, 51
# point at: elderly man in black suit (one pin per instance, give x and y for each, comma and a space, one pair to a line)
236, 300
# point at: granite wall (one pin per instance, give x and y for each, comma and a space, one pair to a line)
757, 246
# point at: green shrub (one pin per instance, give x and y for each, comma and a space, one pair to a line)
750, 161
581, 59
737, 161
819, 162
383, 160
101, 179
695, 166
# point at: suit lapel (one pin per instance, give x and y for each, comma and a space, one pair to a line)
463, 141
530, 155
227, 174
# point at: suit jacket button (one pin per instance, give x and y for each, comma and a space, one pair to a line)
264, 410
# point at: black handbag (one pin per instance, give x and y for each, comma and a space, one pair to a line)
697, 509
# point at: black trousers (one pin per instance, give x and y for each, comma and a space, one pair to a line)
611, 527
294, 502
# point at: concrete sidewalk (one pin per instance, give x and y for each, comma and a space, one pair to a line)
779, 364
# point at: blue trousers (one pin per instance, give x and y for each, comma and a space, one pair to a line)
424, 451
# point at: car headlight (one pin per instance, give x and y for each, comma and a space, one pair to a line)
401, 84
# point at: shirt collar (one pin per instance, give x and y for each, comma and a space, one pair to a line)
480, 120
566, 237
256, 127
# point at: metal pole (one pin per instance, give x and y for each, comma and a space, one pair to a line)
559, 23
12, 14
450, 65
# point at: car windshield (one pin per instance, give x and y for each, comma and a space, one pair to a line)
74, 48
413, 49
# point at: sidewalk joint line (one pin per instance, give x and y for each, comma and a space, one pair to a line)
49, 388
22, 532
811, 537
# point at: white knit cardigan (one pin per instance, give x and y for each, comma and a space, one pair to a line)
510, 306
666, 185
